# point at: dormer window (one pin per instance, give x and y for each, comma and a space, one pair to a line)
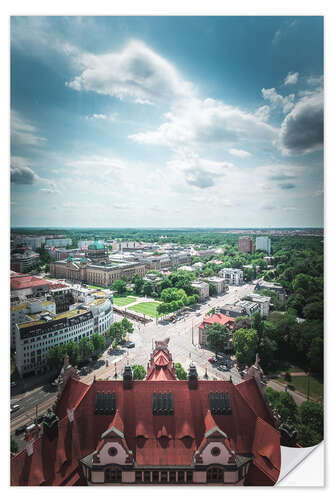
113, 451
215, 451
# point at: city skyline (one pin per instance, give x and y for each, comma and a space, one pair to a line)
116, 123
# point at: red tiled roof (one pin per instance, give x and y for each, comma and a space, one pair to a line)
220, 318
54, 461
23, 281
58, 285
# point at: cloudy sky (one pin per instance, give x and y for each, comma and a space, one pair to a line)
167, 121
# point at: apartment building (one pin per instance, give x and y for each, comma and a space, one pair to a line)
44, 330
263, 302
263, 243
245, 244
232, 276
220, 284
202, 288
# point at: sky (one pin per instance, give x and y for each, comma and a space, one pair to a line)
167, 121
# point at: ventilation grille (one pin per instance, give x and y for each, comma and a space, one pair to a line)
220, 403
105, 403
162, 403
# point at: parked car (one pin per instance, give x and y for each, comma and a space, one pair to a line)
20, 429
129, 345
212, 360
14, 408
225, 368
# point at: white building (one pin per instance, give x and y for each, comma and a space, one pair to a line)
232, 276
58, 242
34, 241
263, 243
263, 302
45, 330
220, 284
202, 288
248, 306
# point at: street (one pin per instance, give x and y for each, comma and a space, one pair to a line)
183, 345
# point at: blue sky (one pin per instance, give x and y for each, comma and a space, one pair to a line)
167, 121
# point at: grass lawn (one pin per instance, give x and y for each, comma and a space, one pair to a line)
148, 308
123, 301
300, 384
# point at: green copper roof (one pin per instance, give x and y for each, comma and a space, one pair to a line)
96, 246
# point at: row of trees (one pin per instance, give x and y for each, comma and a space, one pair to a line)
77, 351
118, 330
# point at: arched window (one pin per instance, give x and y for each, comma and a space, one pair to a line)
113, 475
215, 475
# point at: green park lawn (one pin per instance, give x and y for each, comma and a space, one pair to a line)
123, 301
98, 287
301, 383
148, 308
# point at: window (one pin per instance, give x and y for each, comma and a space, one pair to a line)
138, 476
189, 476
155, 476
164, 476
215, 451
181, 476
146, 476
215, 475
113, 475
172, 476
113, 451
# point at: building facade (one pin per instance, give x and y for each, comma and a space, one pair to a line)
263, 302
263, 243
245, 244
232, 276
202, 288
221, 319
43, 330
58, 242
220, 284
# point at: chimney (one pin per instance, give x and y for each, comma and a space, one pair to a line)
192, 377
50, 425
128, 377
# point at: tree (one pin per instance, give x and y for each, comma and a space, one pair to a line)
257, 324
86, 347
316, 355
117, 333
180, 372
312, 415
212, 289
315, 310
13, 445
98, 341
54, 357
119, 286
127, 325
217, 336
147, 288
286, 407
72, 349
245, 342
139, 372
138, 283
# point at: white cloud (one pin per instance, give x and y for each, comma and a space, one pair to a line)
136, 73
208, 121
276, 100
263, 113
20, 171
101, 116
23, 133
240, 153
302, 130
291, 78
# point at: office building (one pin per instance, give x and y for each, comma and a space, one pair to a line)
263, 243
245, 244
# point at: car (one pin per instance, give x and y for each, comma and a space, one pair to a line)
20, 429
220, 368
212, 360
54, 383
14, 408
225, 368
13, 384
129, 345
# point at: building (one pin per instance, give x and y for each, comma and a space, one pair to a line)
23, 287
202, 288
220, 319
264, 303
58, 242
190, 269
232, 310
232, 276
20, 313
248, 307
21, 262
273, 287
263, 243
154, 431
43, 330
34, 242
80, 271
97, 253
220, 284
245, 244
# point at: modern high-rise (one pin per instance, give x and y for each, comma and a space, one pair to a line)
245, 244
263, 243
